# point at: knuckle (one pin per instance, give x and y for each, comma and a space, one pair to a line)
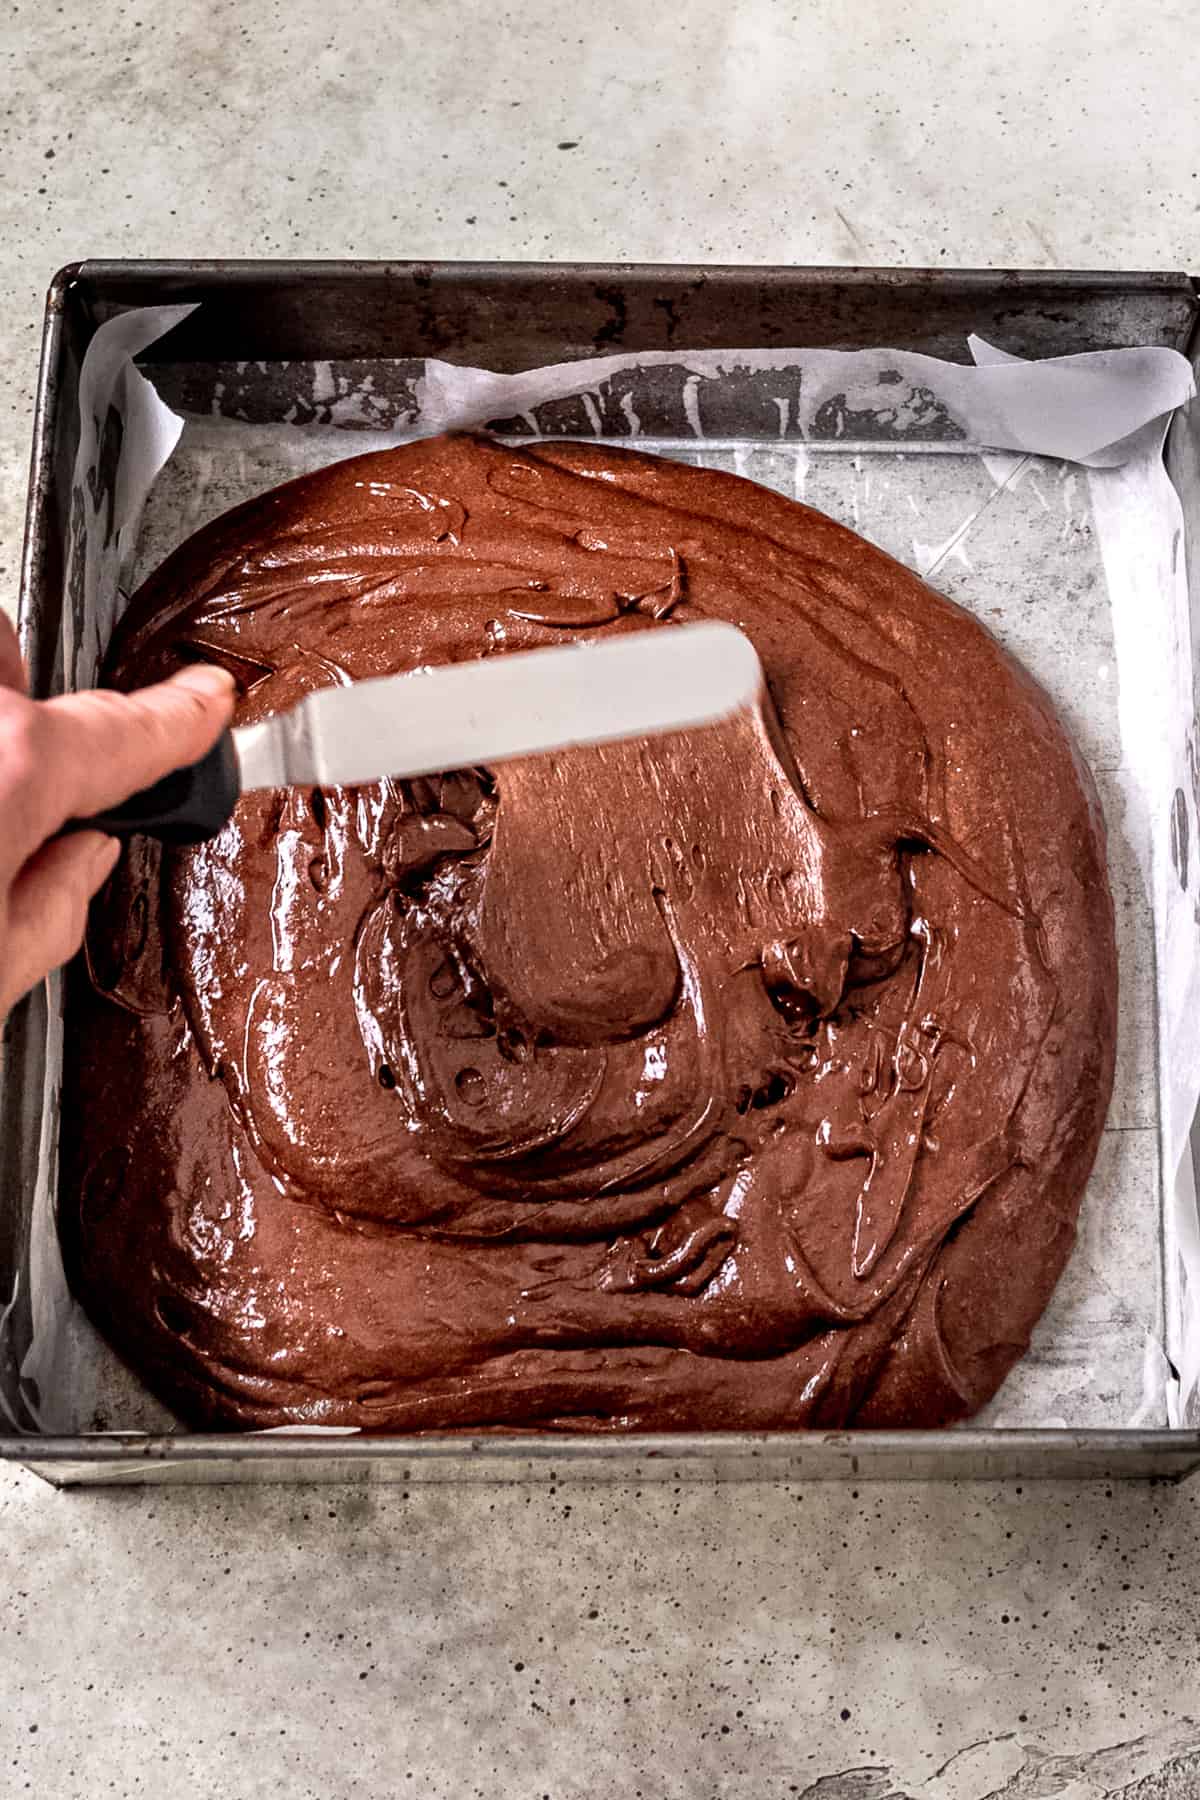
22, 746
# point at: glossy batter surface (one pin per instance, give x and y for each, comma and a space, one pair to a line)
745, 1078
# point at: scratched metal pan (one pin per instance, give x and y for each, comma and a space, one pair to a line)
508, 317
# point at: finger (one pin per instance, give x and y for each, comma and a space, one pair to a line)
12, 663
47, 908
93, 750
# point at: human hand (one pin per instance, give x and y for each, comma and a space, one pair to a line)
68, 758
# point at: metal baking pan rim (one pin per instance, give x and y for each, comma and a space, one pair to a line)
249, 269
201, 1446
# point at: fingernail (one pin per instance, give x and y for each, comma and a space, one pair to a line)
206, 678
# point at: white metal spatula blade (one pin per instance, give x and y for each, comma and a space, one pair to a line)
639, 684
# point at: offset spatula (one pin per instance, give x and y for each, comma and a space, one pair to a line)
429, 721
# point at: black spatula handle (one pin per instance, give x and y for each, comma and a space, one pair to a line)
185, 807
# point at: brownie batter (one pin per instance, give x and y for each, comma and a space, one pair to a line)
743, 1078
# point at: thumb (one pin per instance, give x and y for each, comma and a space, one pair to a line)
99, 747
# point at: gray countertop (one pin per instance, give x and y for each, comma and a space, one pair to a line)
884, 1643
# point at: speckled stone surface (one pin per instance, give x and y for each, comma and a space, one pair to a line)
747, 1642
736, 1643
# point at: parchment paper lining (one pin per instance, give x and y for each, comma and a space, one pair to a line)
1034, 494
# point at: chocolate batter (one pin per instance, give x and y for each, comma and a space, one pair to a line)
744, 1078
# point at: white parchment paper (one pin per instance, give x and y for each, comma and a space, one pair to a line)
122, 422
1033, 493
1089, 409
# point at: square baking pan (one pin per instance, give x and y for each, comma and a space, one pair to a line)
510, 317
